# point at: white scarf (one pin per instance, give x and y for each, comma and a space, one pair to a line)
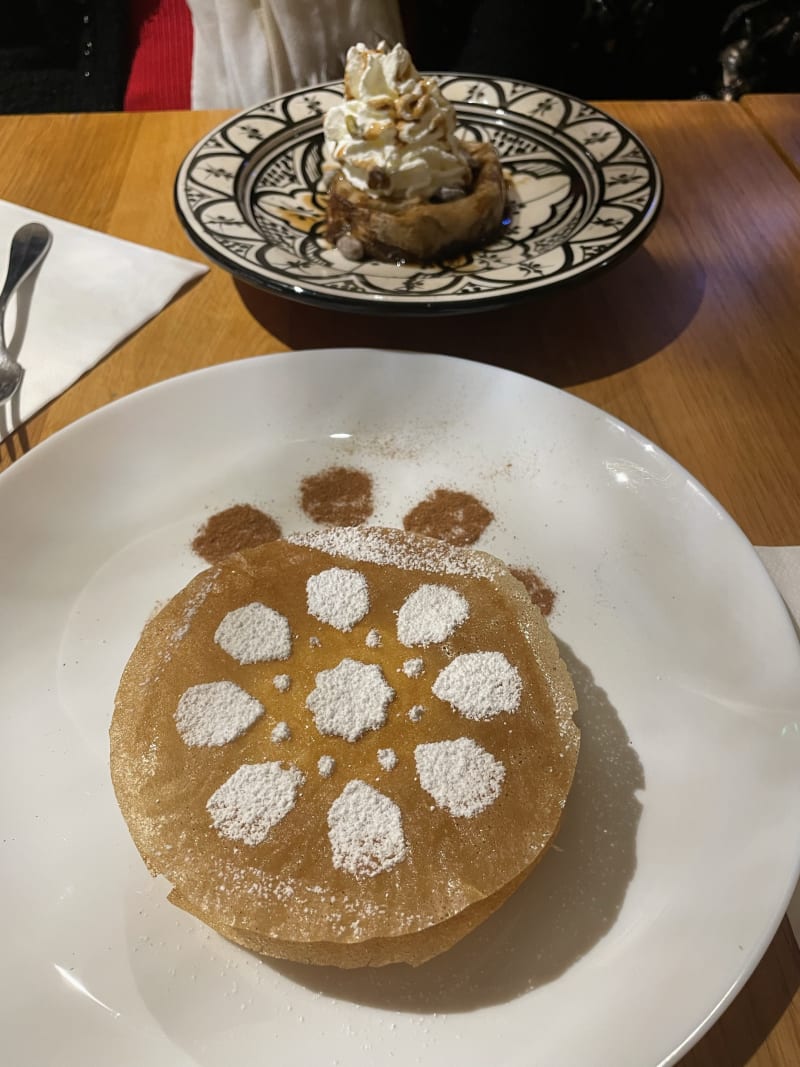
246, 51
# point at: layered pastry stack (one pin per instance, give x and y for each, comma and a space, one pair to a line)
348, 747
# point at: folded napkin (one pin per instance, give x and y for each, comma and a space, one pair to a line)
91, 292
783, 565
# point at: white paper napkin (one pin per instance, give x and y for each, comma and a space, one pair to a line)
783, 565
91, 292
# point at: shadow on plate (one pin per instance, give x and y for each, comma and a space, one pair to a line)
571, 335
568, 904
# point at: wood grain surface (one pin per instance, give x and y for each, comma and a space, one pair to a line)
694, 340
779, 118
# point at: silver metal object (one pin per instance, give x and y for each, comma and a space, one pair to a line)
29, 245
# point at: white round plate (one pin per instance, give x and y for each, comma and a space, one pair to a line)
585, 192
680, 841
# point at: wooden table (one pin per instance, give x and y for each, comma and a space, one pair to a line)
694, 340
779, 118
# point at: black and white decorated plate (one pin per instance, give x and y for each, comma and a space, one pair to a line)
585, 191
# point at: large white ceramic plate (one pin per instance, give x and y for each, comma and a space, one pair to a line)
680, 841
586, 191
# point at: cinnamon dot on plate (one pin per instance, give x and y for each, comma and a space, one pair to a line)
449, 515
337, 496
232, 530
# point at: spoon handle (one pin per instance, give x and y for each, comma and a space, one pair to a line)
28, 245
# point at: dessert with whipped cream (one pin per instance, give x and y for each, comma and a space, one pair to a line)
403, 185
348, 747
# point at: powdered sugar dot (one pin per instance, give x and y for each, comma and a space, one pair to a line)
255, 634
413, 668
387, 757
373, 639
314, 642
430, 615
281, 733
326, 765
462, 777
416, 713
480, 685
350, 699
282, 682
254, 800
365, 829
339, 597
215, 713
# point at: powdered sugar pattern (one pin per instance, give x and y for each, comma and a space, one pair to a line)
326, 765
430, 615
350, 699
215, 713
379, 546
413, 668
339, 597
254, 800
193, 606
461, 776
387, 757
255, 634
479, 685
365, 829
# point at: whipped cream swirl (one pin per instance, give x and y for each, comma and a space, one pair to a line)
393, 135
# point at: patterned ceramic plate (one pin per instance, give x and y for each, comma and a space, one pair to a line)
585, 191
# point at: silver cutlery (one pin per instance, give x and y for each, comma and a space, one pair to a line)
28, 247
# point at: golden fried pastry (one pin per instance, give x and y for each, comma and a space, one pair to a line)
348, 747
422, 230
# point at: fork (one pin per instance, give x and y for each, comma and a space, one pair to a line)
28, 247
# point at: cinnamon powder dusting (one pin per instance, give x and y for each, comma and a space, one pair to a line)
337, 496
538, 590
235, 528
449, 515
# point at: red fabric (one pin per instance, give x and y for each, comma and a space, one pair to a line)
161, 67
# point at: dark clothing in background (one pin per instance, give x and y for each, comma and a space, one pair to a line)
63, 55
612, 49
74, 55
